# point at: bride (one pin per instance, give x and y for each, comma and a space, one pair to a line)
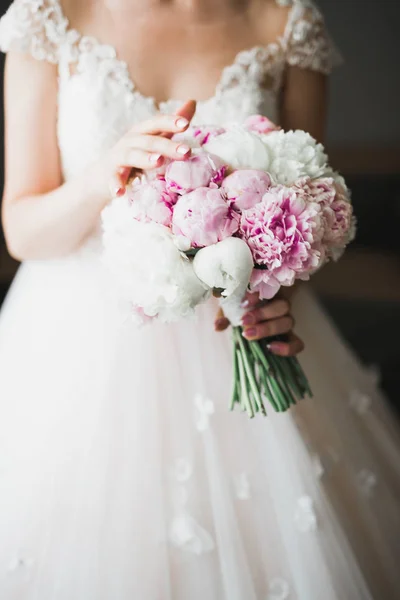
122, 473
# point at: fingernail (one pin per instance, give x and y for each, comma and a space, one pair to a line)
181, 122
154, 158
275, 347
183, 150
248, 319
219, 323
250, 333
244, 304
120, 191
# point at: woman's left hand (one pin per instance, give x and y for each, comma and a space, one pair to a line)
266, 319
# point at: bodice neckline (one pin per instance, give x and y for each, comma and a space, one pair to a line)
121, 68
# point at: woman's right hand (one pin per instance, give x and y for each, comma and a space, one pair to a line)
143, 147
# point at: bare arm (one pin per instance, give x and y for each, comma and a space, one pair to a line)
44, 217
305, 102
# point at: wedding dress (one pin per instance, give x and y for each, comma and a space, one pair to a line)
123, 475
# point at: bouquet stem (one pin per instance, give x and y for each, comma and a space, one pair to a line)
260, 376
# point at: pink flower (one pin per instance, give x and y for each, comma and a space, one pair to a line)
152, 201
200, 134
197, 171
260, 124
246, 187
337, 210
284, 233
204, 217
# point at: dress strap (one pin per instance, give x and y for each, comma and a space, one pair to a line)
37, 27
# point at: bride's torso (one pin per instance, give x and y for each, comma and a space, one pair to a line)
101, 95
97, 97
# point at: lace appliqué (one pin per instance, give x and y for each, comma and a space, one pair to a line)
204, 409
34, 26
305, 518
185, 533
279, 589
309, 45
242, 487
367, 482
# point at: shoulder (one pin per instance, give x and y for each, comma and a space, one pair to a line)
301, 27
38, 27
272, 19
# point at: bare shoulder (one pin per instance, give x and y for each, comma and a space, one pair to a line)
272, 18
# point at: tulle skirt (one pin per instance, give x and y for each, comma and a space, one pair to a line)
123, 475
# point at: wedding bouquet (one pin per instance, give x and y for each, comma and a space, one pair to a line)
253, 209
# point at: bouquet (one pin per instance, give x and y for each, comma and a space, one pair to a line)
253, 209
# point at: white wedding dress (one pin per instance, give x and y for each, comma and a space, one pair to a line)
122, 473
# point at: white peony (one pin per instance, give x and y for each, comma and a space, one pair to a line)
240, 149
149, 269
294, 154
227, 266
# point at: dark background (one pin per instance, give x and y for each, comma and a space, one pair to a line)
362, 292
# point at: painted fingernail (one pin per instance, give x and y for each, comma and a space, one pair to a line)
245, 304
181, 122
120, 191
248, 319
250, 333
154, 158
219, 324
183, 150
275, 347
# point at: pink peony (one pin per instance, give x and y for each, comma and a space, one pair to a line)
204, 217
337, 210
260, 124
198, 135
152, 201
197, 171
284, 234
246, 187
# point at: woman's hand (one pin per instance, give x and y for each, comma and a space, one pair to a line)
144, 147
265, 319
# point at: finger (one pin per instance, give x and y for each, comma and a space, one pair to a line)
293, 346
250, 300
159, 145
117, 187
268, 329
274, 309
124, 174
161, 124
221, 322
140, 159
187, 110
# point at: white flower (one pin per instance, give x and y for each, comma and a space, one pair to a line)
294, 154
151, 272
240, 149
226, 265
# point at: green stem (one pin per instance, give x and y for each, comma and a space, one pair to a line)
235, 392
245, 396
249, 372
271, 378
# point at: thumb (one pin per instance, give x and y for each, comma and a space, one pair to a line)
187, 110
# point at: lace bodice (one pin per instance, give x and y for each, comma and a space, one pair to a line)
98, 101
